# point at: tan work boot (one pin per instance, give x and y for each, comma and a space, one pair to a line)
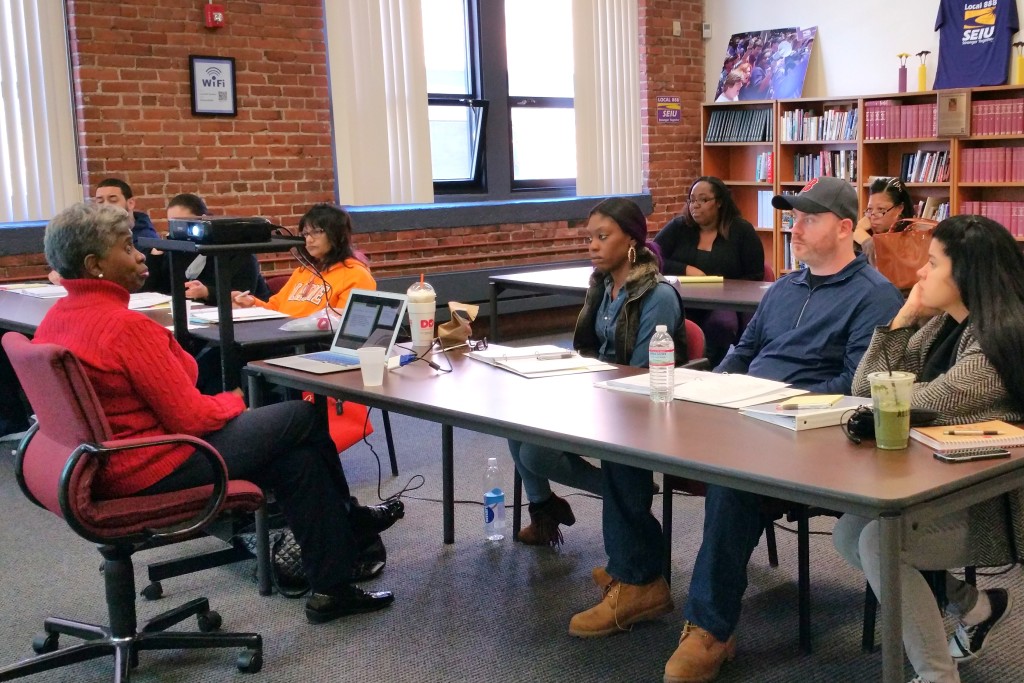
602, 578
698, 657
623, 605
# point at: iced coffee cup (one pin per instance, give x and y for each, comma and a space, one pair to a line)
890, 398
422, 305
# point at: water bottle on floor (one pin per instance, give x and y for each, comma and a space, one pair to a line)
494, 502
662, 364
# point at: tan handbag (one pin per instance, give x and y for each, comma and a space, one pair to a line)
901, 252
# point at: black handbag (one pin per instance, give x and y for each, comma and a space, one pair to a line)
286, 572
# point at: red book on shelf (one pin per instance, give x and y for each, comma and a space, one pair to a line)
770, 167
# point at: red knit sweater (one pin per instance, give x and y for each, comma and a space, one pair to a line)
145, 381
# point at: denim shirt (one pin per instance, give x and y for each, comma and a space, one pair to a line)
660, 307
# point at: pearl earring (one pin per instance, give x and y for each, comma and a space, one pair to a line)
100, 276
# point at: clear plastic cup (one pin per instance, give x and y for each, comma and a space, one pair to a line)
422, 307
890, 397
371, 365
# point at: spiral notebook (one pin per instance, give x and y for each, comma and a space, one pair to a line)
1002, 434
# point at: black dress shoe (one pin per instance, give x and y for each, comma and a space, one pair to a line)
370, 561
370, 520
344, 600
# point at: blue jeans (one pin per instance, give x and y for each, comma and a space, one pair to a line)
537, 465
632, 535
732, 529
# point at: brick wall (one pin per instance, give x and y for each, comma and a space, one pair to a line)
130, 61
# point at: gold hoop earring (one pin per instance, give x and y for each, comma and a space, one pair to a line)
631, 254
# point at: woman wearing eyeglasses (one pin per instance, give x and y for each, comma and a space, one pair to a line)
711, 238
888, 202
329, 269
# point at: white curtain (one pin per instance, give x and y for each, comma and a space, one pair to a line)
379, 101
38, 156
607, 99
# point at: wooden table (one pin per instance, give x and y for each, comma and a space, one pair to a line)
735, 295
716, 445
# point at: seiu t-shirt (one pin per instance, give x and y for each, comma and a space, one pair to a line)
974, 42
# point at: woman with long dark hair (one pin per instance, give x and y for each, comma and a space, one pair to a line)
960, 332
328, 268
710, 237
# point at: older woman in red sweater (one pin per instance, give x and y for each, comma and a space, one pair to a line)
146, 383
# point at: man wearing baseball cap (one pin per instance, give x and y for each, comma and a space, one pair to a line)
810, 330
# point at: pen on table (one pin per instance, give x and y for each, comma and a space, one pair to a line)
972, 432
554, 356
804, 406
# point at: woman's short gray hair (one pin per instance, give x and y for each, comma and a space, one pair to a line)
80, 230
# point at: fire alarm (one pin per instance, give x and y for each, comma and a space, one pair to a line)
214, 15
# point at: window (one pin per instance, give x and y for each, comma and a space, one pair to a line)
38, 156
501, 110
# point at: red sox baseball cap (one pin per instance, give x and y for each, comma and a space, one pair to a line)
822, 195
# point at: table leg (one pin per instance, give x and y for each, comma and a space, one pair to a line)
229, 356
891, 601
495, 290
255, 390
448, 482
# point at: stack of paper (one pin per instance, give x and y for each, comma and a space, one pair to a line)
717, 389
140, 300
37, 289
211, 315
538, 361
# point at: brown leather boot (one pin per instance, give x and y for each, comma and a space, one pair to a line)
698, 657
544, 520
623, 605
602, 578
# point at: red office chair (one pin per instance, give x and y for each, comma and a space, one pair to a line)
56, 468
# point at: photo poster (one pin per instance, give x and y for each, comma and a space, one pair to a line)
766, 65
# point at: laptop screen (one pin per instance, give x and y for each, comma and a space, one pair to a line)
370, 319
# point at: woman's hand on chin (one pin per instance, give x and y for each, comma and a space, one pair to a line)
914, 311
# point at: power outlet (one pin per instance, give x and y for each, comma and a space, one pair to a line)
705, 29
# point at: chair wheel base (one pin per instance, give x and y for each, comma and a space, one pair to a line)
250, 661
153, 591
45, 642
208, 621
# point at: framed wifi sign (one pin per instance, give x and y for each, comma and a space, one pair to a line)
213, 85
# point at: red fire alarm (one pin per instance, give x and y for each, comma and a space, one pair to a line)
214, 15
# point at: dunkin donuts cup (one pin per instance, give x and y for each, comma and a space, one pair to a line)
371, 365
890, 397
422, 305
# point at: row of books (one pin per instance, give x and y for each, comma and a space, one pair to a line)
998, 117
1009, 214
925, 167
992, 165
764, 167
935, 208
739, 125
834, 124
889, 120
836, 163
765, 210
789, 262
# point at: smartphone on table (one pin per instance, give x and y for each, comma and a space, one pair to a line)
972, 454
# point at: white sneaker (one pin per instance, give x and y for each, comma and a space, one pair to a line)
968, 642
918, 679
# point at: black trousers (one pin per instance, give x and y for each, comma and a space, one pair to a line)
13, 416
286, 447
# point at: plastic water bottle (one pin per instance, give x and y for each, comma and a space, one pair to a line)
494, 502
662, 363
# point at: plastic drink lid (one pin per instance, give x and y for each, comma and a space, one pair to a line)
661, 328
494, 496
421, 292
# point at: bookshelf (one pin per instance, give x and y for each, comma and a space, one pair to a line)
739, 148
859, 138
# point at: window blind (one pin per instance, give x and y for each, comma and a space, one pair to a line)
38, 158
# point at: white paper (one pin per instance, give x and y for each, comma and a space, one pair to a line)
140, 300
719, 389
38, 291
211, 315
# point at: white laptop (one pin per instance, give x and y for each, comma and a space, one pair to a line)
370, 319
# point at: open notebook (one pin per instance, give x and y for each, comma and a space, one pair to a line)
369, 319
1006, 436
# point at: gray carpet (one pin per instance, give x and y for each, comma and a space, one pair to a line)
472, 611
